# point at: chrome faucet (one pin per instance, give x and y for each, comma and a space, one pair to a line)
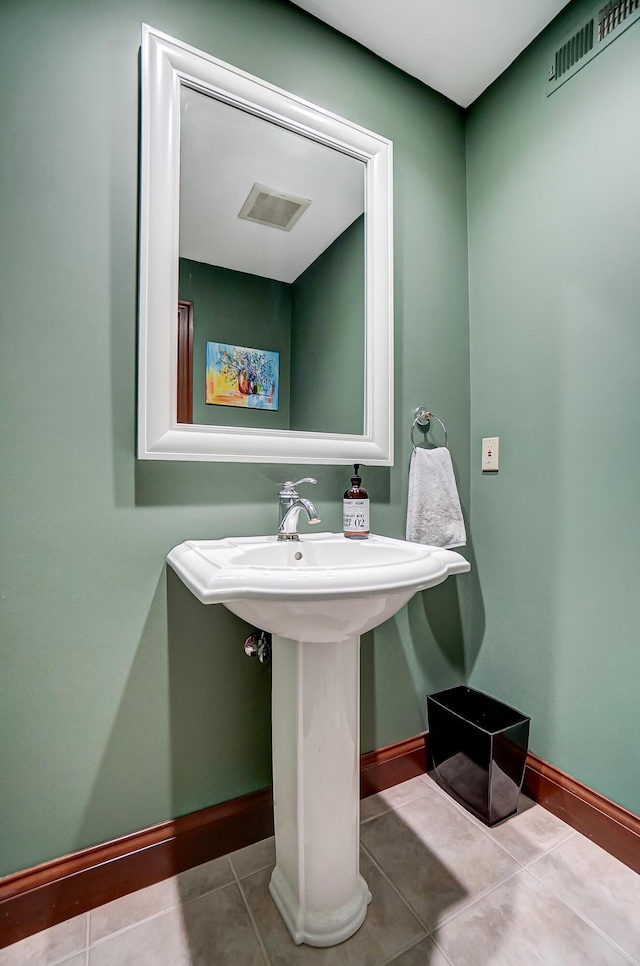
290, 505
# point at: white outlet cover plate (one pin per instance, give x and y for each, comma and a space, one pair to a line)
490, 453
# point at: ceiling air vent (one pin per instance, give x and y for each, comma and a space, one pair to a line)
266, 206
606, 23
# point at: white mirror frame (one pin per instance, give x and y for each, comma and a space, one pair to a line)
166, 64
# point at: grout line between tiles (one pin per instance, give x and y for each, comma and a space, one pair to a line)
179, 904
372, 818
464, 905
584, 918
441, 951
396, 890
392, 807
472, 900
426, 778
250, 914
477, 824
405, 949
487, 834
486, 830
133, 925
67, 956
246, 875
454, 804
554, 848
385, 811
570, 831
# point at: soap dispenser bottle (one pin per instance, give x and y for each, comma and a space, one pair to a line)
355, 509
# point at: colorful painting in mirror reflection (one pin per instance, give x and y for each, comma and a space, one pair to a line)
239, 376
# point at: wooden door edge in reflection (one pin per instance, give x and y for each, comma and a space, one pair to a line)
185, 362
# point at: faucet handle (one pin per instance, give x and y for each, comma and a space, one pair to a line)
289, 486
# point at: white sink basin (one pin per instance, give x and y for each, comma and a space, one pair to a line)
316, 596
323, 587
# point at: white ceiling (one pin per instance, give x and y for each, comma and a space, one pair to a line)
215, 182
457, 47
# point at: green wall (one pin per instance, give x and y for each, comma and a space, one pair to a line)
554, 236
327, 339
240, 309
123, 701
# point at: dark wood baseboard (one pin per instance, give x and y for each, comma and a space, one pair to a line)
63, 888
607, 824
391, 765
50, 893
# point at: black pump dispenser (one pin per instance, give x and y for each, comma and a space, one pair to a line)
355, 509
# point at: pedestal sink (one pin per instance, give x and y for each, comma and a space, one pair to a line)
316, 596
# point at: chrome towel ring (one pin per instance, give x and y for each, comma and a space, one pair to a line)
422, 417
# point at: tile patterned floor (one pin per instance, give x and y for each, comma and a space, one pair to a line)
447, 892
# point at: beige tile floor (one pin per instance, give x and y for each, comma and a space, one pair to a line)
447, 891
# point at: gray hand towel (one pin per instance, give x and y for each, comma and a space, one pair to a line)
434, 515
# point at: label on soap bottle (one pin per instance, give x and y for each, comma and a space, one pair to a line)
355, 516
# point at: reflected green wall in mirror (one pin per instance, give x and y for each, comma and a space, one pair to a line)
240, 309
328, 339
316, 324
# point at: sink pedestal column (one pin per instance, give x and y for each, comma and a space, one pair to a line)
316, 883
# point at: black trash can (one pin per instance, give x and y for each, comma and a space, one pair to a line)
477, 751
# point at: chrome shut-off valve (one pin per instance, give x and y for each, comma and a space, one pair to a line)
258, 645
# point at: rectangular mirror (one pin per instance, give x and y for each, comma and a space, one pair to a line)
265, 297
